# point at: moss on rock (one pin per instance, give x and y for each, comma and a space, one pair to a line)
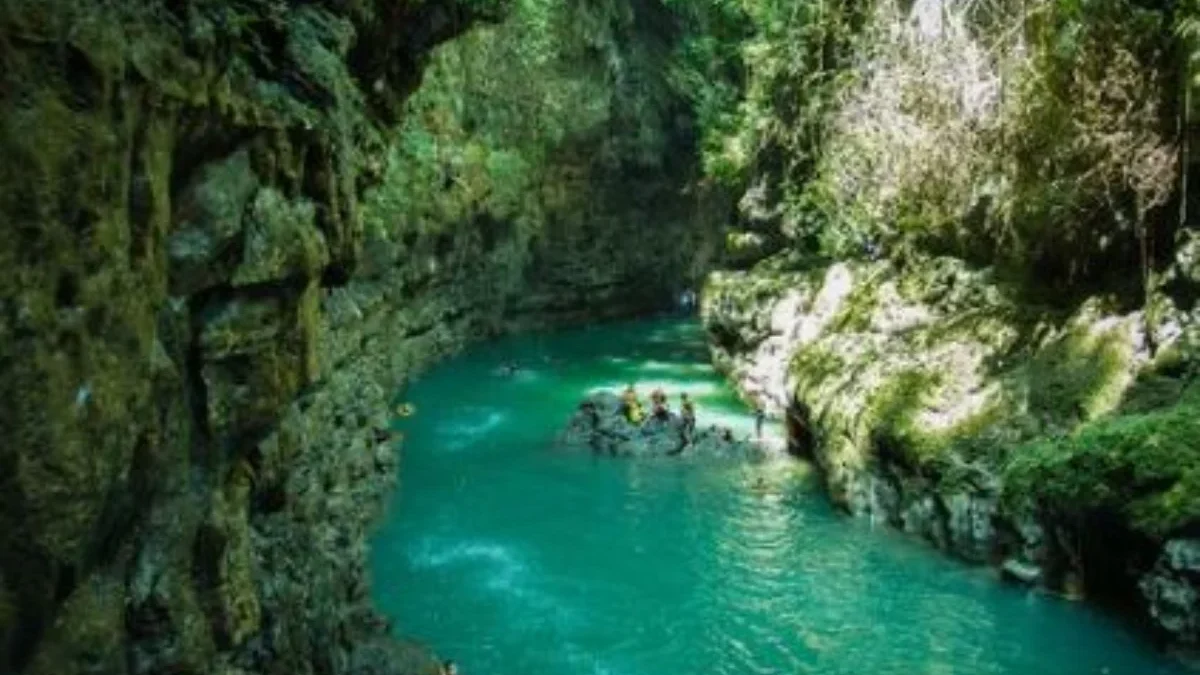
935, 398
1144, 466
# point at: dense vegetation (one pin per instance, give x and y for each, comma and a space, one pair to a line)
1041, 135
511, 117
561, 134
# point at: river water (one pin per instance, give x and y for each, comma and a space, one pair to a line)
514, 558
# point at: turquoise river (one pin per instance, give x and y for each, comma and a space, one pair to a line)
515, 558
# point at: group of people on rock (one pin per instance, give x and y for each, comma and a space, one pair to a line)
631, 406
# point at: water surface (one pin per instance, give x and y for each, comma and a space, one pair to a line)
517, 559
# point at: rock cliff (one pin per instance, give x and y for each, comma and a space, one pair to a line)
1050, 442
200, 335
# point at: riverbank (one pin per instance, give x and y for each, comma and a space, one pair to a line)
1047, 443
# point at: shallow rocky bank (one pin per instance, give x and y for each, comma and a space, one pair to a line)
932, 399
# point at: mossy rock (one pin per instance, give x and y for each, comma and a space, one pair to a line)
89, 633
1145, 466
281, 241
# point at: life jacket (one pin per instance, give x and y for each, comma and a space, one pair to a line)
635, 413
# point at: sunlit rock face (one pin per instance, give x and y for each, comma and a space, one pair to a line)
926, 395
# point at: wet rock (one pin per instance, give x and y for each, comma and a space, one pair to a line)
1021, 571
1170, 589
969, 524
600, 425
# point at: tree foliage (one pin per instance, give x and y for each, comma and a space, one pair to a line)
1034, 134
510, 116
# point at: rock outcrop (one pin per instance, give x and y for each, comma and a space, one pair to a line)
602, 426
181, 188
1049, 443
200, 337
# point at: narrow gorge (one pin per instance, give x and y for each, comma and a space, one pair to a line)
950, 247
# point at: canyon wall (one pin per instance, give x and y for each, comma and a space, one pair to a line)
202, 325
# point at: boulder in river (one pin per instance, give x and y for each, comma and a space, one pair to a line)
600, 424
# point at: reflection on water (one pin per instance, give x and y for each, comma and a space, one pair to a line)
514, 558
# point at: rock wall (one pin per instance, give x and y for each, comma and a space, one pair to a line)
199, 339
926, 392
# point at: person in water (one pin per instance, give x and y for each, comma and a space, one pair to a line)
688, 413
631, 406
687, 300
449, 668
760, 416
658, 402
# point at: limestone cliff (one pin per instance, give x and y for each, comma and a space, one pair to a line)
200, 331
1056, 443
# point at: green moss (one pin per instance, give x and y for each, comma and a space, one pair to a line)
811, 367
860, 305
1077, 377
891, 411
1145, 466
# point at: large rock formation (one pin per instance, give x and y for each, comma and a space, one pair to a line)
1058, 445
199, 337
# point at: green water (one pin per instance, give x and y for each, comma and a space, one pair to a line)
517, 559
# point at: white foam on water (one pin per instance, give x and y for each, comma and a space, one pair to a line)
584, 662
653, 366
672, 387
434, 553
498, 569
466, 430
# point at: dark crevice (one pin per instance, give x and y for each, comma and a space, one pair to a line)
335, 275
85, 83
139, 195
64, 583
204, 137
66, 293
197, 391
801, 440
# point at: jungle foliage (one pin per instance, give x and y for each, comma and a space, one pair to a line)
1041, 135
516, 120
